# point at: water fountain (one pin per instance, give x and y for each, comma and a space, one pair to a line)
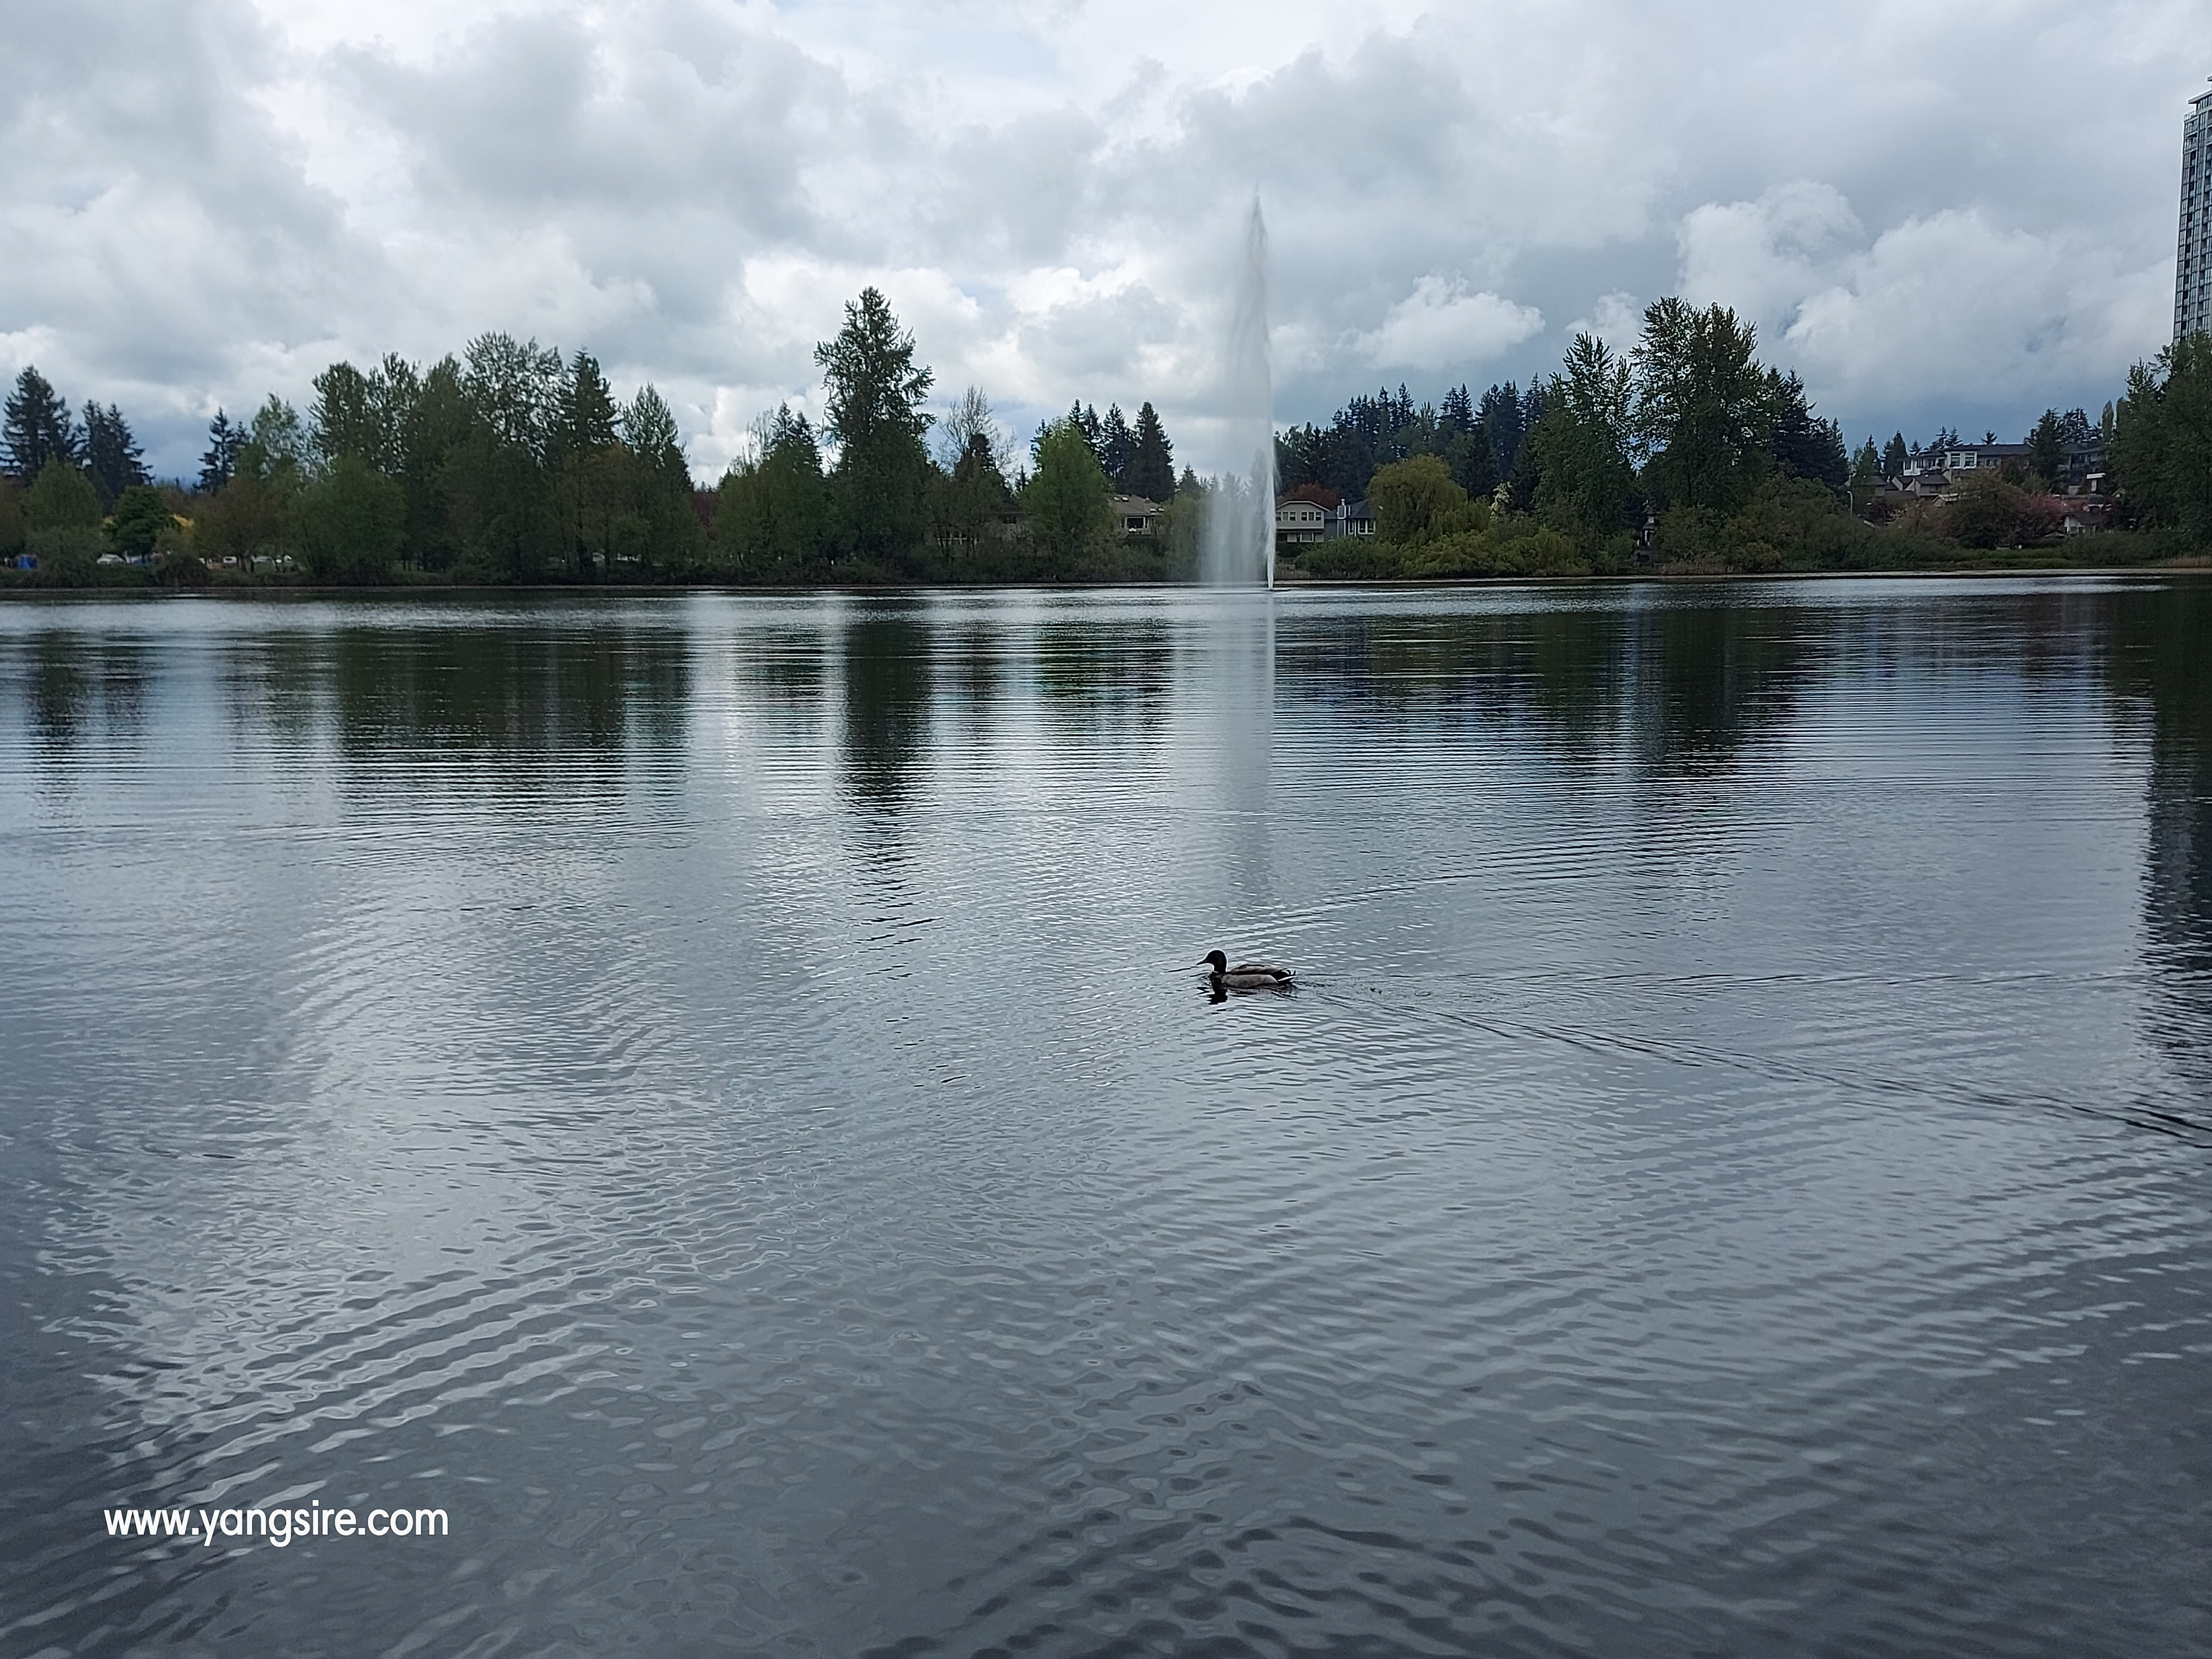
1239, 531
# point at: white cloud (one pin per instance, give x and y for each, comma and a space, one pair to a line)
1762, 257
1441, 326
1616, 317
1962, 310
206, 200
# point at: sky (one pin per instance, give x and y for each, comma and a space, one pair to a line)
1953, 215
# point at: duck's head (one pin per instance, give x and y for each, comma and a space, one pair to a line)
1218, 962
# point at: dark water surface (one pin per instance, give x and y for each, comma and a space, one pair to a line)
707, 1091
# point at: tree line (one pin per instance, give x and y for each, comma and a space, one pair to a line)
1689, 452
511, 462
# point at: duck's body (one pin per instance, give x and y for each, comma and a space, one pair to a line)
1247, 976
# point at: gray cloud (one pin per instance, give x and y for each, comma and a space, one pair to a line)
206, 203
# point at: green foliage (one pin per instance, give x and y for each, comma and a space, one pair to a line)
343, 420
772, 509
113, 459
1152, 464
13, 529
1895, 456
875, 393
1803, 445
1412, 497
432, 419
668, 535
246, 519
1988, 510
353, 522
59, 498
502, 512
512, 388
1067, 501
1703, 407
277, 440
1584, 484
2047, 448
589, 471
141, 518
2162, 444
37, 428
1788, 523
972, 502
67, 553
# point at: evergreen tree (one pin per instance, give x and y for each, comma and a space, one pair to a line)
876, 391
1117, 449
2162, 440
37, 428
974, 495
588, 471
1499, 419
1804, 447
772, 509
220, 460
659, 531
1152, 466
112, 458
2047, 448
1893, 457
1457, 413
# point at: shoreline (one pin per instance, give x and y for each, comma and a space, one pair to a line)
2189, 566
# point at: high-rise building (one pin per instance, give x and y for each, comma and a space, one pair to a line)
2192, 273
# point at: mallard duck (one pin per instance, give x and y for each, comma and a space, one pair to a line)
1246, 976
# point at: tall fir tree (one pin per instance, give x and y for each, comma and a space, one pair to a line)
1152, 466
112, 454
1116, 447
220, 460
37, 428
873, 410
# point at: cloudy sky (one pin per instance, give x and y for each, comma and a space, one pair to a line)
1957, 213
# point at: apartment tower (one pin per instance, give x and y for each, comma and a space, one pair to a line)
2192, 274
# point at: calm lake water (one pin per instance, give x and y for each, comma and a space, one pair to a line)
710, 1091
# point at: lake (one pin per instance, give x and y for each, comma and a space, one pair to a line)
712, 1093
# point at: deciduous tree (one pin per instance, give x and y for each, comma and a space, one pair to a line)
1067, 501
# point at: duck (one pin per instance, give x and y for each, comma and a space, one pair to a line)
1246, 976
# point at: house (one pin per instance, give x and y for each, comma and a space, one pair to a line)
1298, 520
2082, 514
1351, 519
1134, 515
1965, 458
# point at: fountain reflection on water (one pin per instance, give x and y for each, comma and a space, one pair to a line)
1240, 517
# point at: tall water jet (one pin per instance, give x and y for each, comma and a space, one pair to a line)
1239, 547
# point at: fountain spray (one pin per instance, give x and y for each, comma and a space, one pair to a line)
1240, 520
